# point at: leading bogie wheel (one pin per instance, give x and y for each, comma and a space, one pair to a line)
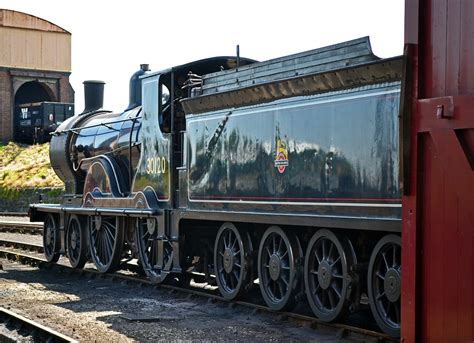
328, 265
384, 284
106, 240
232, 250
148, 240
51, 238
76, 241
278, 267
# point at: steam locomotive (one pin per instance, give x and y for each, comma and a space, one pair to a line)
282, 175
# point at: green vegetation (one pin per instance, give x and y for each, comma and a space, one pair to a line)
26, 167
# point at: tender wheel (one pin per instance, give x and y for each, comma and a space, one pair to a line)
230, 260
147, 240
76, 242
277, 267
384, 282
50, 239
106, 239
327, 267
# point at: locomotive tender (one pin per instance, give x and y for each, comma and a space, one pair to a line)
283, 173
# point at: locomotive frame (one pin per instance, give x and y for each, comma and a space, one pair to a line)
129, 187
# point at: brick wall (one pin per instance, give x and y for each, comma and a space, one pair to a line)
6, 99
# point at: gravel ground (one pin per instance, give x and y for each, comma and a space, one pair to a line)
97, 310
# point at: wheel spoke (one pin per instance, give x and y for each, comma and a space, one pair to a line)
331, 298
380, 296
331, 246
336, 291
394, 258
337, 260
385, 260
316, 289
236, 275
269, 252
279, 244
280, 288
317, 257
380, 275
397, 311
229, 237
387, 309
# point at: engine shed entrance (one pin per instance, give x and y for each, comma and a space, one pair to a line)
34, 66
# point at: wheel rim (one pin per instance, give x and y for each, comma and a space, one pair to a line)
385, 284
50, 241
277, 267
147, 237
106, 239
326, 276
74, 241
229, 259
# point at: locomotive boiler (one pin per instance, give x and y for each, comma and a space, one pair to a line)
281, 175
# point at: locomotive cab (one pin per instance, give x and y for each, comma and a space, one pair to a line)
163, 126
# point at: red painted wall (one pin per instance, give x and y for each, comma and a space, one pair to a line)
438, 207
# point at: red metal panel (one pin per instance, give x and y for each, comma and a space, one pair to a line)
466, 81
438, 209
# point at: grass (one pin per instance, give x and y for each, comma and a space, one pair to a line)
26, 166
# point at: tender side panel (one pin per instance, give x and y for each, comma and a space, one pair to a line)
333, 154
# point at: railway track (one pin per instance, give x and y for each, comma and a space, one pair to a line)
28, 253
27, 329
14, 214
21, 227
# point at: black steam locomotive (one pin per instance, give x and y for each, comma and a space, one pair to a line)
283, 173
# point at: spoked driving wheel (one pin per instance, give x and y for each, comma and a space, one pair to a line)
231, 249
277, 267
76, 241
384, 283
106, 238
50, 239
149, 252
326, 274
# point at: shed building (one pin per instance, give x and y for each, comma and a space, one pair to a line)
35, 64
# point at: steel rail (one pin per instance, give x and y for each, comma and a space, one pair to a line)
340, 330
35, 228
13, 214
39, 332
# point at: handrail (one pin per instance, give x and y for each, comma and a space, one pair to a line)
75, 130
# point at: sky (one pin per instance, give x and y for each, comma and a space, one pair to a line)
110, 39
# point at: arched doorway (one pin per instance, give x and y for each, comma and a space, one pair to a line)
25, 120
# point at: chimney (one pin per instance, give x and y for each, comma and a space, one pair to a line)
93, 95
